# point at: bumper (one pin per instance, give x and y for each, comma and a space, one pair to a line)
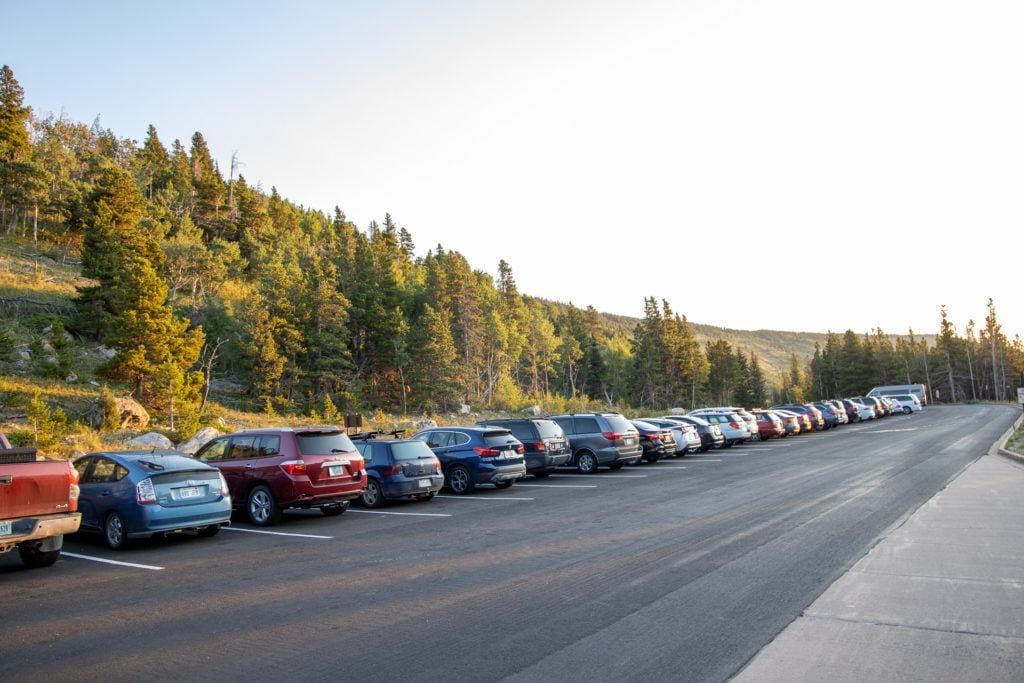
156, 519
626, 456
488, 474
541, 462
410, 486
38, 528
303, 494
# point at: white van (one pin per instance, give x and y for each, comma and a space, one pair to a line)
897, 389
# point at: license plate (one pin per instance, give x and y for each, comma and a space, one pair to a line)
190, 492
337, 470
5, 528
508, 454
424, 483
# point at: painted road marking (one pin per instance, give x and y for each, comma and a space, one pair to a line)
560, 486
604, 476
275, 533
483, 497
888, 431
410, 514
106, 561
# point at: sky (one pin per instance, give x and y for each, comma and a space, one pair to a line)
794, 165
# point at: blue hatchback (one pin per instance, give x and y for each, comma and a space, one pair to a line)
135, 494
398, 469
476, 455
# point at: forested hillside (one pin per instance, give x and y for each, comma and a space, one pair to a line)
190, 276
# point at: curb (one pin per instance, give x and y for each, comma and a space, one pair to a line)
999, 447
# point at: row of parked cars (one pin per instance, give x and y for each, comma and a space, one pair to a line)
261, 472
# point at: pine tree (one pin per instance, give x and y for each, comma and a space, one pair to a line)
14, 118
434, 368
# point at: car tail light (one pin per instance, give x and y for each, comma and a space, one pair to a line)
734, 425
437, 467
145, 494
520, 449
223, 486
611, 436
654, 437
294, 468
540, 446
73, 490
393, 470
485, 452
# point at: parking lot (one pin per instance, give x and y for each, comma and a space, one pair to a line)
680, 569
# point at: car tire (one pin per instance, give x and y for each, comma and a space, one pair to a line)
906, 410
261, 506
705, 449
541, 475
373, 496
34, 558
115, 534
208, 531
459, 480
334, 510
504, 484
586, 462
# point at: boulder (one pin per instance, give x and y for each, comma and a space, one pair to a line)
50, 360
72, 377
426, 424
132, 415
534, 410
106, 352
47, 347
22, 355
678, 411
93, 383
150, 440
464, 409
199, 439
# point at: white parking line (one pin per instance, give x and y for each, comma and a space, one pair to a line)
275, 533
410, 514
483, 497
106, 561
693, 461
560, 486
604, 476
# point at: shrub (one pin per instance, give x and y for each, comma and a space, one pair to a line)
47, 425
111, 416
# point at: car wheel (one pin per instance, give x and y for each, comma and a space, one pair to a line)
504, 484
705, 449
208, 531
261, 506
373, 497
114, 532
906, 410
586, 463
460, 481
541, 475
652, 458
34, 558
727, 444
334, 510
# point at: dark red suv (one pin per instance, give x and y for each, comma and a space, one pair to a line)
269, 470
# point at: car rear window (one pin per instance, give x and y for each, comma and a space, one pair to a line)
497, 437
617, 423
324, 443
411, 450
699, 421
548, 429
522, 431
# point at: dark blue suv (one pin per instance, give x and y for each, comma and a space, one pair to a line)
476, 455
398, 469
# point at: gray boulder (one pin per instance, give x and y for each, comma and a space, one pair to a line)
426, 424
150, 440
464, 409
71, 378
534, 410
47, 347
131, 414
678, 411
199, 439
106, 352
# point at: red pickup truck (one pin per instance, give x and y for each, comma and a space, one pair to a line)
38, 504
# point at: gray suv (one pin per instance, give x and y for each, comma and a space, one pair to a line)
600, 439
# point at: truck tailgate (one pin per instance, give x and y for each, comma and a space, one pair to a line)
35, 488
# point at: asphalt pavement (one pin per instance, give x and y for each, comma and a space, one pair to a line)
684, 569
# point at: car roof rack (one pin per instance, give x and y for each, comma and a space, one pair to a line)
368, 436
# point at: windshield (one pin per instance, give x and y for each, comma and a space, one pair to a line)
548, 429
617, 423
411, 450
324, 443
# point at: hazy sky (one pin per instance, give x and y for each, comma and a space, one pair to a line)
795, 164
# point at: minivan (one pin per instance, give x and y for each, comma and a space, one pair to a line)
600, 439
